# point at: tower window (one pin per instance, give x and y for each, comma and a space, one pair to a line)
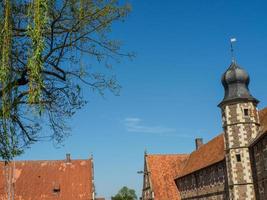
238, 157
245, 112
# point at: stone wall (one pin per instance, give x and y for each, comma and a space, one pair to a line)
208, 183
241, 126
259, 166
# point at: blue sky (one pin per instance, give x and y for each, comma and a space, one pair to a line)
170, 90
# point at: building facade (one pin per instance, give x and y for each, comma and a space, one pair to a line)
207, 183
205, 176
233, 165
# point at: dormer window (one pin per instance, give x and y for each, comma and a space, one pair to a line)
56, 189
246, 113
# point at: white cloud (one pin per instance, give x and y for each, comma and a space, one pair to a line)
136, 125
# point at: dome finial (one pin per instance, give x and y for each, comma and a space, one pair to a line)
235, 82
232, 41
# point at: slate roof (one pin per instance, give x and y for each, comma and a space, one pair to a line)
162, 171
235, 82
50, 180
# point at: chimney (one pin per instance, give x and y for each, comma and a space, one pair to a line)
68, 158
199, 143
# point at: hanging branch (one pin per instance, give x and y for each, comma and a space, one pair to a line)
5, 60
35, 64
5, 76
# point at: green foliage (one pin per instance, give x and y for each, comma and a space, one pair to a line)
5, 59
7, 127
43, 45
125, 194
36, 34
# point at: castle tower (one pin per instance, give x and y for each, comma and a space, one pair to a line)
241, 124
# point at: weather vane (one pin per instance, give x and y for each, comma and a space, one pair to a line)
232, 41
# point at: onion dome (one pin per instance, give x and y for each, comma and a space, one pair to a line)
235, 82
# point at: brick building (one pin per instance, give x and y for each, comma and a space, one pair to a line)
58, 179
232, 165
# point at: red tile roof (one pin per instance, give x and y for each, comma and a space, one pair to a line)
49, 180
206, 155
162, 170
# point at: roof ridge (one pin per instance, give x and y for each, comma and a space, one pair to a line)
48, 160
206, 144
170, 154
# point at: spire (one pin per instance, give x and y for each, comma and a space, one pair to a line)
232, 41
145, 152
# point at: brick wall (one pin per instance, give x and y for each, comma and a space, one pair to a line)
259, 166
208, 183
241, 126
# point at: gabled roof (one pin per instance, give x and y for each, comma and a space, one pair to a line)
50, 180
206, 155
162, 171
213, 151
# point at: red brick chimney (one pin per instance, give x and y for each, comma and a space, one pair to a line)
68, 160
199, 143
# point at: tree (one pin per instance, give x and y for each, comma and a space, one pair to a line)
125, 194
45, 47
